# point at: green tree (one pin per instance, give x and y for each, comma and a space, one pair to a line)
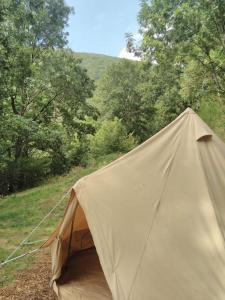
183, 41
43, 91
111, 137
121, 93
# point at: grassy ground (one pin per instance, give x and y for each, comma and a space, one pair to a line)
21, 212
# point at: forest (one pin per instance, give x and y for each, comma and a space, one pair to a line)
54, 115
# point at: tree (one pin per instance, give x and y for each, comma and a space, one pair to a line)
181, 40
120, 93
43, 90
111, 137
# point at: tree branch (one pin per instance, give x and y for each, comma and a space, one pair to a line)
46, 106
13, 104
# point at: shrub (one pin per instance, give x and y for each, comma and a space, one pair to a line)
24, 173
111, 137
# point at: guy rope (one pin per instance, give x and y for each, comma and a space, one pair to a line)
25, 241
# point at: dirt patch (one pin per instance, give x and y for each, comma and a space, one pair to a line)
32, 284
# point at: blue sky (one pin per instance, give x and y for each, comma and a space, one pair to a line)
99, 26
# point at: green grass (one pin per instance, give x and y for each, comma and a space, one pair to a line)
21, 212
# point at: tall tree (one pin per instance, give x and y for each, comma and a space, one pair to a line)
184, 40
43, 89
121, 93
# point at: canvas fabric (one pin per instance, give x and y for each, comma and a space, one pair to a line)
156, 217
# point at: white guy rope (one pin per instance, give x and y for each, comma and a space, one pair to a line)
34, 242
35, 228
17, 257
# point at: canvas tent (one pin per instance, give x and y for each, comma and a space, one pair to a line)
156, 217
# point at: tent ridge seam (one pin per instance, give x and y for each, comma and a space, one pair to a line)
218, 218
155, 215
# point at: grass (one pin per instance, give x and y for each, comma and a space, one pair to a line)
21, 212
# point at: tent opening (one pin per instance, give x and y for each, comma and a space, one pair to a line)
82, 276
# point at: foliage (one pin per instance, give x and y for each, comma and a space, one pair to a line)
111, 137
122, 93
43, 92
213, 113
49, 120
24, 173
183, 46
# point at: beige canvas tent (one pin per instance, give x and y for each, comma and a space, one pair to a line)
156, 217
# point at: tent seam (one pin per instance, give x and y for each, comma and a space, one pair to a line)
154, 218
210, 197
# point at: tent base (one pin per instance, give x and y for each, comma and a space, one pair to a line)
83, 279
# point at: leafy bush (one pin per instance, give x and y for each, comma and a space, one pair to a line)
111, 137
24, 173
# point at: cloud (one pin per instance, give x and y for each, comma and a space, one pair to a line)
125, 54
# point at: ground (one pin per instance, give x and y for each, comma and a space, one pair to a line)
33, 283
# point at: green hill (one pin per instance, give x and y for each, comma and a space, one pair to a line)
96, 64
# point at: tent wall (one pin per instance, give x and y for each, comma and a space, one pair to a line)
71, 235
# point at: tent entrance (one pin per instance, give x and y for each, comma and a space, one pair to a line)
80, 237
82, 277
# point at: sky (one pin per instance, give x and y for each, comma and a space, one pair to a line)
99, 26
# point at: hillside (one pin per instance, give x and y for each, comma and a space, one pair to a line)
96, 64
